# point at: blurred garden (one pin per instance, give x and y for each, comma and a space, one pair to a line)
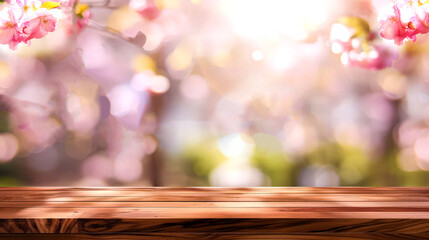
227, 93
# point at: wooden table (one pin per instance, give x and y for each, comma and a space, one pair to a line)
214, 213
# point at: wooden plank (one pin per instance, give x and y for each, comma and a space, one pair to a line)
39, 226
119, 196
243, 226
165, 213
319, 236
254, 226
143, 204
148, 191
214, 213
324, 190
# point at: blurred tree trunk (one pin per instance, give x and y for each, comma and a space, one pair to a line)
386, 168
156, 159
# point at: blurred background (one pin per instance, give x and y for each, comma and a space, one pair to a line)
223, 93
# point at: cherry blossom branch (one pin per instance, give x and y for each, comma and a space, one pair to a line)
102, 3
104, 7
138, 40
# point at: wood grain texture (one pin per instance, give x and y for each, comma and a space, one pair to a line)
214, 213
254, 226
187, 236
38, 226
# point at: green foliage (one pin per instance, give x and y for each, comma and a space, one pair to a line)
360, 25
6, 181
202, 158
350, 162
4, 121
271, 159
417, 178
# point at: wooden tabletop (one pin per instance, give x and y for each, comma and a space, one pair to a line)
221, 213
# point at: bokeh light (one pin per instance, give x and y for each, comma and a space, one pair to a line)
217, 93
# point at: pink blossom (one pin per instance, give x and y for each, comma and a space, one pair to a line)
356, 44
378, 57
341, 37
9, 27
146, 8
404, 20
38, 24
83, 16
81, 23
391, 28
27, 5
23, 20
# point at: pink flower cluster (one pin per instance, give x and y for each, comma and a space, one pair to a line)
404, 19
146, 8
378, 57
355, 42
83, 14
24, 20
